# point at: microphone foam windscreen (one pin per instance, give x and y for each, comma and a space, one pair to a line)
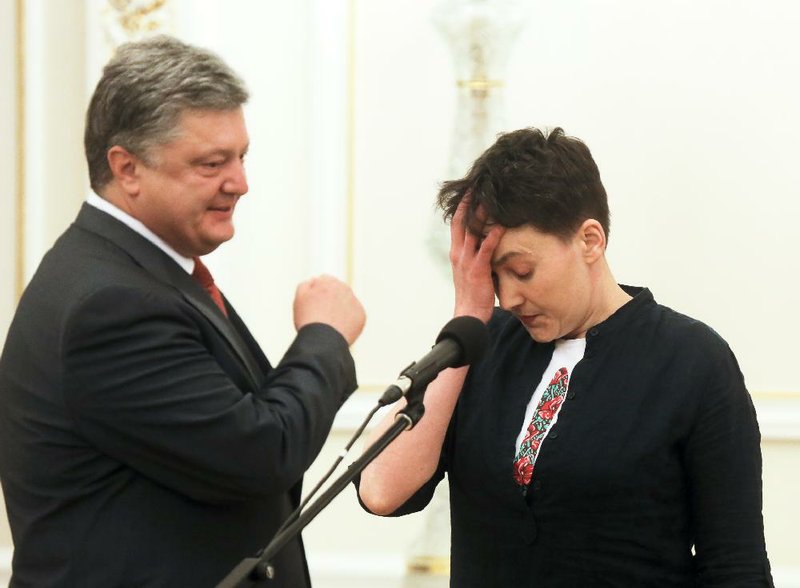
471, 335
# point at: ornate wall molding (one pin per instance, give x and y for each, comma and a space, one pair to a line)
778, 416
110, 23
778, 413
130, 20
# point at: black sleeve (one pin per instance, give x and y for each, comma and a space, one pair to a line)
142, 387
723, 459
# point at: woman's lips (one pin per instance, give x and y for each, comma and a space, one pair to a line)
529, 320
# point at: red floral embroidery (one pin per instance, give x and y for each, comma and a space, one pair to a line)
548, 410
560, 375
550, 403
523, 471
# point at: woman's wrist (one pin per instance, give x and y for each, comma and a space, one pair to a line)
483, 313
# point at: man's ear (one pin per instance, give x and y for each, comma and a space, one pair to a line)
125, 167
593, 240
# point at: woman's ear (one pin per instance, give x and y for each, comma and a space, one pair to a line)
593, 240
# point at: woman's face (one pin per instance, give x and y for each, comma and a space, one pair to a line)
545, 281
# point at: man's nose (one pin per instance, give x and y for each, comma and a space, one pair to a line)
236, 180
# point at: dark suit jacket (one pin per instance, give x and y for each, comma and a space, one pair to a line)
145, 440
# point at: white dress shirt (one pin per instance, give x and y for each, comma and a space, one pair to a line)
187, 263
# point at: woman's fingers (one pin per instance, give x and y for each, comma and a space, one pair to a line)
489, 244
457, 229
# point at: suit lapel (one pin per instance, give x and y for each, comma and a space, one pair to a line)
164, 269
199, 298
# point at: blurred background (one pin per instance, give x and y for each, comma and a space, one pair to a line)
360, 108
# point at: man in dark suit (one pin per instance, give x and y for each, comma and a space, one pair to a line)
145, 440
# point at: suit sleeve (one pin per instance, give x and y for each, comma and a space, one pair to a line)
142, 387
723, 458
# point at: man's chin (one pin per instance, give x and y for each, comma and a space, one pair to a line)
218, 237
210, 244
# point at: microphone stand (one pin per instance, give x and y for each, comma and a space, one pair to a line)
252, 572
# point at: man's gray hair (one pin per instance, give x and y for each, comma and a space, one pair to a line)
142, 93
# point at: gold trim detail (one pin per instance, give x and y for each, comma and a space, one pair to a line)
136, 19
772, 395
428, 565
778, 441
19, 269
479, 84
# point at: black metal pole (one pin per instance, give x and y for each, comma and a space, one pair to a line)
257, 571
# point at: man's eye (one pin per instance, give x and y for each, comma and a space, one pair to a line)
213, 164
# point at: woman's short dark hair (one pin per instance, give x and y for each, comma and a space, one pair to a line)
548, 181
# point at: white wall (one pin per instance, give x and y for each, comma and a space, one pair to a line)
55, 104
8, 163
690, 109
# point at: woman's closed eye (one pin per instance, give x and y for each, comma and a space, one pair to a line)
523, 275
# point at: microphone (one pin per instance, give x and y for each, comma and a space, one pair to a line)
462, 341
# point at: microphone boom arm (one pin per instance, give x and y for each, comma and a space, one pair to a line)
252, 572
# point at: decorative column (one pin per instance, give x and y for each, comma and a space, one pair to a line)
480, 34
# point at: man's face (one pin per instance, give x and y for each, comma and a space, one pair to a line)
545, 282
188, 194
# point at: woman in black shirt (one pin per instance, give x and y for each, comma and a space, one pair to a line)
604, 440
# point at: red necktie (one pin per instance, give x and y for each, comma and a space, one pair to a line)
551, 401
203, 277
